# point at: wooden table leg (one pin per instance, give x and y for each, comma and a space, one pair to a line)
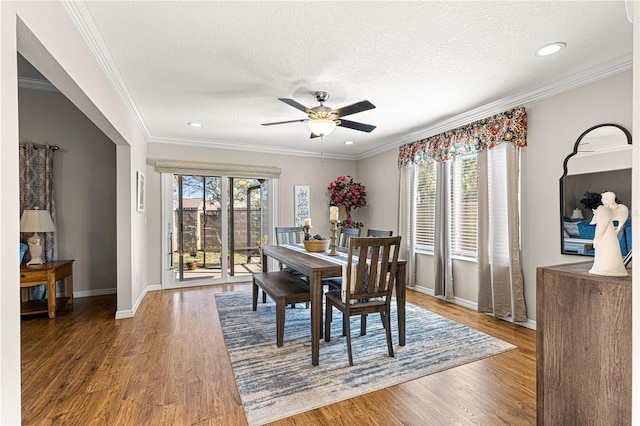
51, 294
401, 287
316, 317
70, 288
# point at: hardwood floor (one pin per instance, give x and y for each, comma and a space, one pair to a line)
169, 366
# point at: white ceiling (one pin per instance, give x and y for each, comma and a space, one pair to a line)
424, 65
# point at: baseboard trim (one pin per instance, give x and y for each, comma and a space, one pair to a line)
91, 293
471, 305
130, 313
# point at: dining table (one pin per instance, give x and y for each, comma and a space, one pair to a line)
318, 266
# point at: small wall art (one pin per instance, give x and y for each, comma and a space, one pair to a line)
301, 204
140, 193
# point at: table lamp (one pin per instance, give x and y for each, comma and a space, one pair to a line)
35, 221
577, 214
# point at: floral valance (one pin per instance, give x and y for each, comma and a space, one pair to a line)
509, 126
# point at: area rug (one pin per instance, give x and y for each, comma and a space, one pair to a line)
275, 383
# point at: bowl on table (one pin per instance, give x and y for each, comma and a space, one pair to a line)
316, 245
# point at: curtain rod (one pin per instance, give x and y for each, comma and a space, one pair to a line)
51, 147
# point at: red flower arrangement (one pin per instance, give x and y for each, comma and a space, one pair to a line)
352, 195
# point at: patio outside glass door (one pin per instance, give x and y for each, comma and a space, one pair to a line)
217, 227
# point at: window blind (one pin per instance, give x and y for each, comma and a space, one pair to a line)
464, 206
425, 204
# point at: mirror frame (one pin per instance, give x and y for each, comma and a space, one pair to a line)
564, 174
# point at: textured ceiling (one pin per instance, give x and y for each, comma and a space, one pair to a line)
423, 64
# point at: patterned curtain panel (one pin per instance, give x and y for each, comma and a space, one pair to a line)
36, 189
509, 126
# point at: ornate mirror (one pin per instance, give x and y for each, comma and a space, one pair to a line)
600, 162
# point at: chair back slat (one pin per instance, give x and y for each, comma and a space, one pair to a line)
378, 233
346, 234
289, 235
376, 277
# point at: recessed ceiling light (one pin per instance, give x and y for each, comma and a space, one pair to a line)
194, 124
550, 49
348, 142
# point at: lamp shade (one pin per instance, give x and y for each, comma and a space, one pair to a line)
321, 127
36, 220
577, 214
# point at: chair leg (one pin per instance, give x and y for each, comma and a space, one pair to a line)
348, 330
363, 324
384, 323
255, 295
280, 305
344, 324
387, 327
327, 322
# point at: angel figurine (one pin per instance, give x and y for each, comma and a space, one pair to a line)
608, 258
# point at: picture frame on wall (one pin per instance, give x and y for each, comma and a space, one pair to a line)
301, 203
140, 192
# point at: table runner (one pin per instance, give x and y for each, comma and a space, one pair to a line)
341, 259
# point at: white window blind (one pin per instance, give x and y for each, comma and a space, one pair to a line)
464, 206
425, 204
498, 203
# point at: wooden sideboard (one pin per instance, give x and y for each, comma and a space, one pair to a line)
583, 347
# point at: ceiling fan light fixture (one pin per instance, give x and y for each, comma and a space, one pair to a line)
321, 127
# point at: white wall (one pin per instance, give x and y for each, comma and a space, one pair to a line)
84, 186
45, 35
295, 171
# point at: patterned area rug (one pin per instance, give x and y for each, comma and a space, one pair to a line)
275, 383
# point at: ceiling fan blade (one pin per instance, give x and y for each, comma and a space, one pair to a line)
295, 104
284, 122
313, 135
352, 109
356, 126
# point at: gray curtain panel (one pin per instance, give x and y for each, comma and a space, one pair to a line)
500, 283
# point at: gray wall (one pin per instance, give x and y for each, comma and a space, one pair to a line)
295, 171
554, 125
84, 185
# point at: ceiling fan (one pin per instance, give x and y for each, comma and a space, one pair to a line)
322, 120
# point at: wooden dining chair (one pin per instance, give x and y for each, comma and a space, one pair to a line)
378, 233
371, 286
346, 234
343, 241
288, 235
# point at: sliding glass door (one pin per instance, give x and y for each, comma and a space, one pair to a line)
215, 229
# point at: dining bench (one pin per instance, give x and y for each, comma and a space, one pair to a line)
285, 288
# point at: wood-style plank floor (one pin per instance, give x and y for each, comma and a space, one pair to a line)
169, 366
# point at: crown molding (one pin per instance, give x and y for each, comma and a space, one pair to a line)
85, 24
591, 75
36, 84
248, 148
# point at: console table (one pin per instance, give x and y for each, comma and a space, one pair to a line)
583, 347
48, 273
